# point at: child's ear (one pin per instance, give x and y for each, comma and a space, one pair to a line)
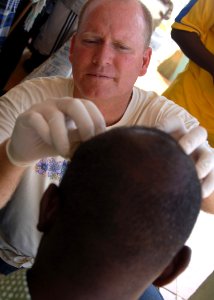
48, 207
175, 268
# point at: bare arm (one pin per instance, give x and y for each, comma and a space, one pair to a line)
194, 49
208, 204
10, 176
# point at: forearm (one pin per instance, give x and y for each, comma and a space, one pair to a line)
208, 204
194, 49
9, 177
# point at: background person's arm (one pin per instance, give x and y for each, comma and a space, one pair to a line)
194, 49
10, 176
208, 204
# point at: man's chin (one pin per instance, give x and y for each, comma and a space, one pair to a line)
95, 94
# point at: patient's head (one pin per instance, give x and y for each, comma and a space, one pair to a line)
126, 205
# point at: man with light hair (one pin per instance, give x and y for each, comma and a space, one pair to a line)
43, 120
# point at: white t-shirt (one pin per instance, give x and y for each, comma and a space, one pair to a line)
19, 237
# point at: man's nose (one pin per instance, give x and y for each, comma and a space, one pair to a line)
103, 55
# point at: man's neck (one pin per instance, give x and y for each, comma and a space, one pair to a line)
112, 109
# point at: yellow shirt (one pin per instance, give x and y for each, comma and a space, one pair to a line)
194, 87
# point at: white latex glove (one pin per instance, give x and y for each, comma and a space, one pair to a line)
54, 127
194, 143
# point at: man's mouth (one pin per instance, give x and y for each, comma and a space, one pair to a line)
101, 76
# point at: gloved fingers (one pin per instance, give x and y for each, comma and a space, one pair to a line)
76, 111
30, 139
56, 123
173, 126
208, 185
98, 121
97, 117
205, 161
74, 138
59, 133
38, 123
193, 139
53, 131
56, 120
194, 143
55, 112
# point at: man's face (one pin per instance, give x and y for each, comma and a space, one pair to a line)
107, 53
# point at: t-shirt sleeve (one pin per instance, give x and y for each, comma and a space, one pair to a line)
8, 115
196, 16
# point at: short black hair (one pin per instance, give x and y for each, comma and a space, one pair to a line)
129, 195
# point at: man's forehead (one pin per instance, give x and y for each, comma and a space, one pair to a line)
102, 11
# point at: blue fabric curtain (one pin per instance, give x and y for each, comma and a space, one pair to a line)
7, 12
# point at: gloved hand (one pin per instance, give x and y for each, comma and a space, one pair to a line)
54, 127
194, 143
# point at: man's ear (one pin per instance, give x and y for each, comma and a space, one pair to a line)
146, 60
72, 47
175, 268
48, 207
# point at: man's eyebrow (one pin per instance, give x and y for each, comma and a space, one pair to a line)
91, 33
122, 43
98, 36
